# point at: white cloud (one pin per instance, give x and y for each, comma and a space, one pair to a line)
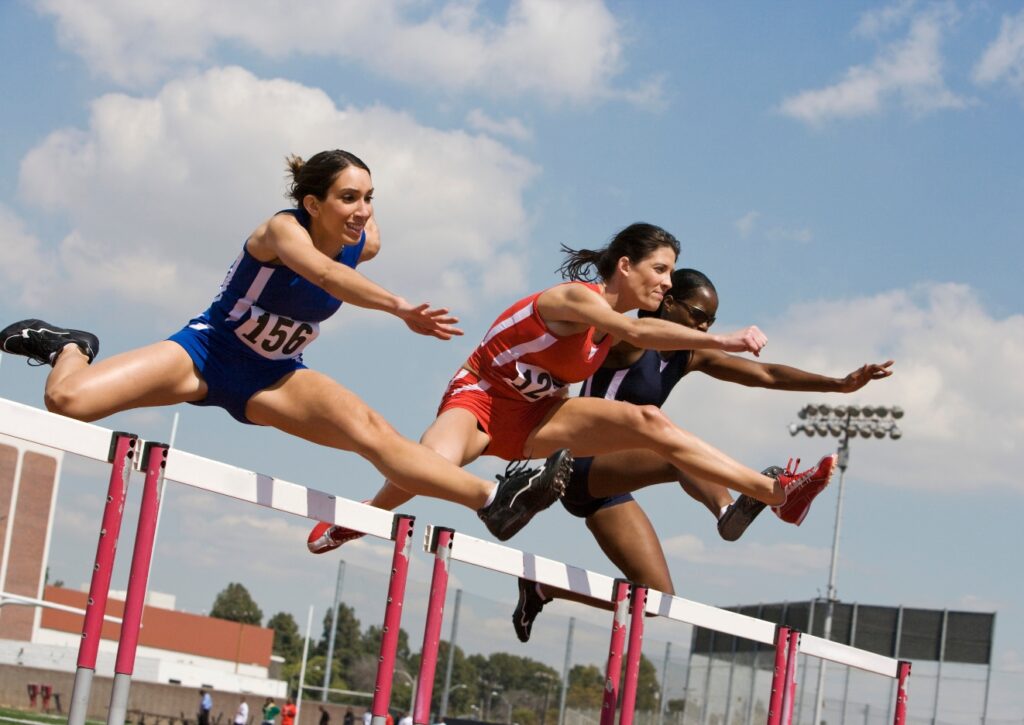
745, 224
881, 20
956, 374
907, 72
566, 50
797, 234
779, 558
1003, 59
28, 273
509, 127
161, 192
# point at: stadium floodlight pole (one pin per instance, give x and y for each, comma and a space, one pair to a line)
842, 422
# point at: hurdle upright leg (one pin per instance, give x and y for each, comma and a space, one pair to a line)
638, 602
779, 683
789, 693
620, 600
902, 675
441, 546
122, 450
154, 458
392, 618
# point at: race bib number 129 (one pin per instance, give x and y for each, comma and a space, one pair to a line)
535, 383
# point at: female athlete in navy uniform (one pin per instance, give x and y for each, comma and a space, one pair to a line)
646, 377
509, 398
244, 353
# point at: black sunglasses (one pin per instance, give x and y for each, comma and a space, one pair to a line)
698, 315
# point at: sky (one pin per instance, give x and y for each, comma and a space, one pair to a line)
847, 174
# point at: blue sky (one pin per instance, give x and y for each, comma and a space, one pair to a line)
849, 175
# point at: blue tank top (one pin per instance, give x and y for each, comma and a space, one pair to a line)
270, 309
648, 381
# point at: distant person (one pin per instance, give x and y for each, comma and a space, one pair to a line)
367, 717
406, 719
288, 712
349, 718
270, 711
325, 717
205, 705
242, 713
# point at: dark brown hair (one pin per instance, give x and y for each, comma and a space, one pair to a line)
316, 175
636, 242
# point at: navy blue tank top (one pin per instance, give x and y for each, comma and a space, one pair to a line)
270, 309
648, 381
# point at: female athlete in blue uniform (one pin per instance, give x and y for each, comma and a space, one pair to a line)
244, 353
599, 489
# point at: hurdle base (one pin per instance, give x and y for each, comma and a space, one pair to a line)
119, 699
79, 707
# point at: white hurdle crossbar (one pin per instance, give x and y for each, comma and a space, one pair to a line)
552, 573
122, 449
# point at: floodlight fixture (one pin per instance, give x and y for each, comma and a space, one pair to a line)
897, 412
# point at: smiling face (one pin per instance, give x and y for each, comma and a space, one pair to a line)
696, 309
648, 280
346, 207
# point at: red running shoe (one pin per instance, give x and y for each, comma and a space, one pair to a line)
801, 488
327, 537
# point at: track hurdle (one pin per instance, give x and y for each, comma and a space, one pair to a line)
448, 546
122, 450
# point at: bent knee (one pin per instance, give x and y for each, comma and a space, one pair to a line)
68, 400
649, 418
372, 435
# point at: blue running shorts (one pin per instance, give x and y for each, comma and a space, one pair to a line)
232, 375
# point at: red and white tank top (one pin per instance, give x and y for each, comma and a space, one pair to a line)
521, 356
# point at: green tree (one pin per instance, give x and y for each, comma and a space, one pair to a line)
348, 643
586, 687
287, 640
235, 604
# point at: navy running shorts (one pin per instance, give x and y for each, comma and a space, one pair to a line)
577, 499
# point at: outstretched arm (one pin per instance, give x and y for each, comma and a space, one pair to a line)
784, 377
573, 303
294, 247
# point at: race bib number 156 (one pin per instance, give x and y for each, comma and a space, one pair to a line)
275, 337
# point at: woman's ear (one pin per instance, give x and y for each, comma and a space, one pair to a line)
311, 204
624, 266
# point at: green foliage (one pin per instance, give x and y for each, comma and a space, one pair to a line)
586, 687
235, 604
287, 640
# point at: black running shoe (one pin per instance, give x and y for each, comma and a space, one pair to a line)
742, 512
529, 606
40, 341
523, 492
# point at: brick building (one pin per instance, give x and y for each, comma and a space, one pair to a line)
175, 648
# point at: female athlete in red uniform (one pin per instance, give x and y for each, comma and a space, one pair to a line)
509, 398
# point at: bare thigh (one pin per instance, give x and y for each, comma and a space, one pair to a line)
158, 374
455, 435
312, 406
625, 471
628, 539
